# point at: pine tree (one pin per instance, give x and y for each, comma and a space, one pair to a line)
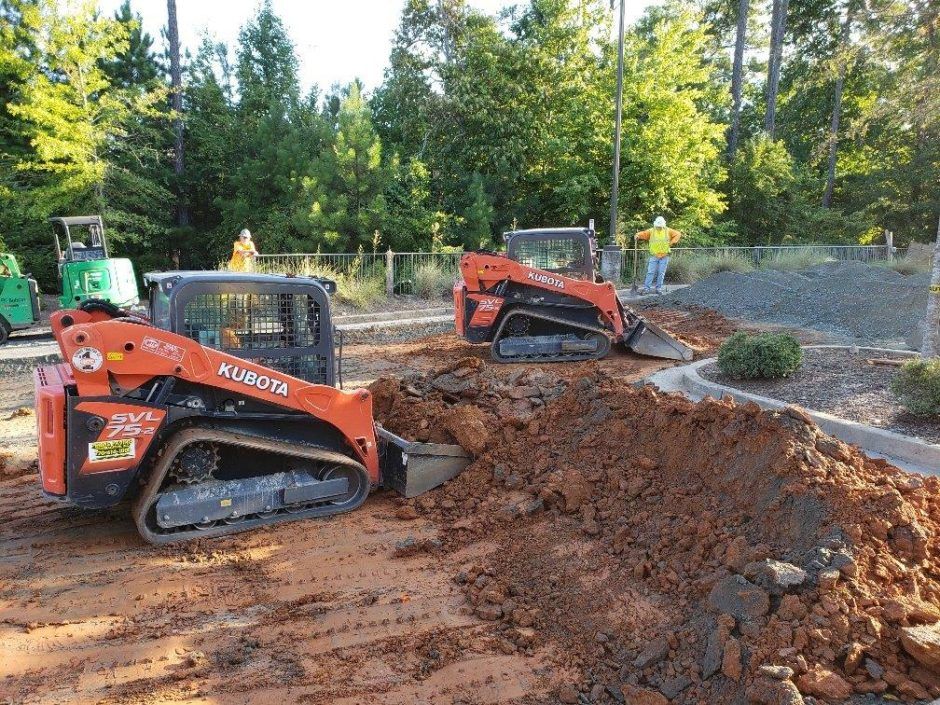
135, 65
347, 191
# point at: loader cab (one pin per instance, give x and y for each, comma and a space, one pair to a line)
277, 321
566, 251
86, 268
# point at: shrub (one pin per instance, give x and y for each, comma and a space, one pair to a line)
794, 260
917, 387
761, 356
431, 280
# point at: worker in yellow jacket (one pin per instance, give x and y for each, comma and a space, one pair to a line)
661, 239
243, 253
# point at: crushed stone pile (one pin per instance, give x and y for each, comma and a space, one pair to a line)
663, 551
848, 298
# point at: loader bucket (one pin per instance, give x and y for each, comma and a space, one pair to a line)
412, 468
649, 339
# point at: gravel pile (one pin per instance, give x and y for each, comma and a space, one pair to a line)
872, 304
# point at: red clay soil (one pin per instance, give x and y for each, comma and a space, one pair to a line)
666, 551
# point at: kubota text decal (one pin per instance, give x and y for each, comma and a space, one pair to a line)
253, 379
545, 279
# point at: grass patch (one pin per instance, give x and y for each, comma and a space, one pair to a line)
690, 268
354, 285
794, 260
431, 280
909, 265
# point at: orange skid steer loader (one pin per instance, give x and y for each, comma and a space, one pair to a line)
542, 301
221, 415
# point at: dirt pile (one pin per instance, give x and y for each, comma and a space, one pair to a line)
674, 552
462, 402
848, 298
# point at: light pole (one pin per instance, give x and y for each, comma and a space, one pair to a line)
615, 187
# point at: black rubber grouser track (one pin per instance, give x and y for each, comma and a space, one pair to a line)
528, 335
334, 484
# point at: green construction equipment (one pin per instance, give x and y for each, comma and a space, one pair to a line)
19, 298
86, 270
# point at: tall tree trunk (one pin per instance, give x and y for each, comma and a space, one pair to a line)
931, 346
737, 77
176, 79
837, 103
778, 28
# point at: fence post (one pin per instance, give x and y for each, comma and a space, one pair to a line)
389, 272
889, 245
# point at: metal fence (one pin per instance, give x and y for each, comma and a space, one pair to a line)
783, 256
401, 270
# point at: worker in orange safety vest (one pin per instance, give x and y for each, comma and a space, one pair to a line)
243, 253
661, 239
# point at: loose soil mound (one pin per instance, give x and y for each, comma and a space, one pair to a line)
461, 402
700, 553
849, 298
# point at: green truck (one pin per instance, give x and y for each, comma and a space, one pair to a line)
19, 298
86, 269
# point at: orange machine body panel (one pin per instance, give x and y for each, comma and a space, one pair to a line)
112, 353
482, 271
50, 383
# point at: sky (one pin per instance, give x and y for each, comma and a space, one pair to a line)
336, 40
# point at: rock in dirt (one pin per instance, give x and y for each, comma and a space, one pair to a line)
765, 691
654, 652
777, 577
779, 673
736, 596
568, 694
641, 696
923, 643
469, 425
825, 684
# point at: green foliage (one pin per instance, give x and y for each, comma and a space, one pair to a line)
347, 188
688, 268
478, 217
760, 356
762, 189
431, 280
917, 386
94, 144
410, 216
481, 122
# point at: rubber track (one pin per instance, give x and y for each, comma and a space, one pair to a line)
151, 492
564, 357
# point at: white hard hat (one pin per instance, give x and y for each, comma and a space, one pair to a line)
245, 233
660, 222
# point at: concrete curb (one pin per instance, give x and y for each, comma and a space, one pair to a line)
894, 446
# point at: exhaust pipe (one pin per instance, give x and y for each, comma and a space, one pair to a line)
412, 468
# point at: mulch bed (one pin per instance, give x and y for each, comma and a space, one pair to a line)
841, 383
